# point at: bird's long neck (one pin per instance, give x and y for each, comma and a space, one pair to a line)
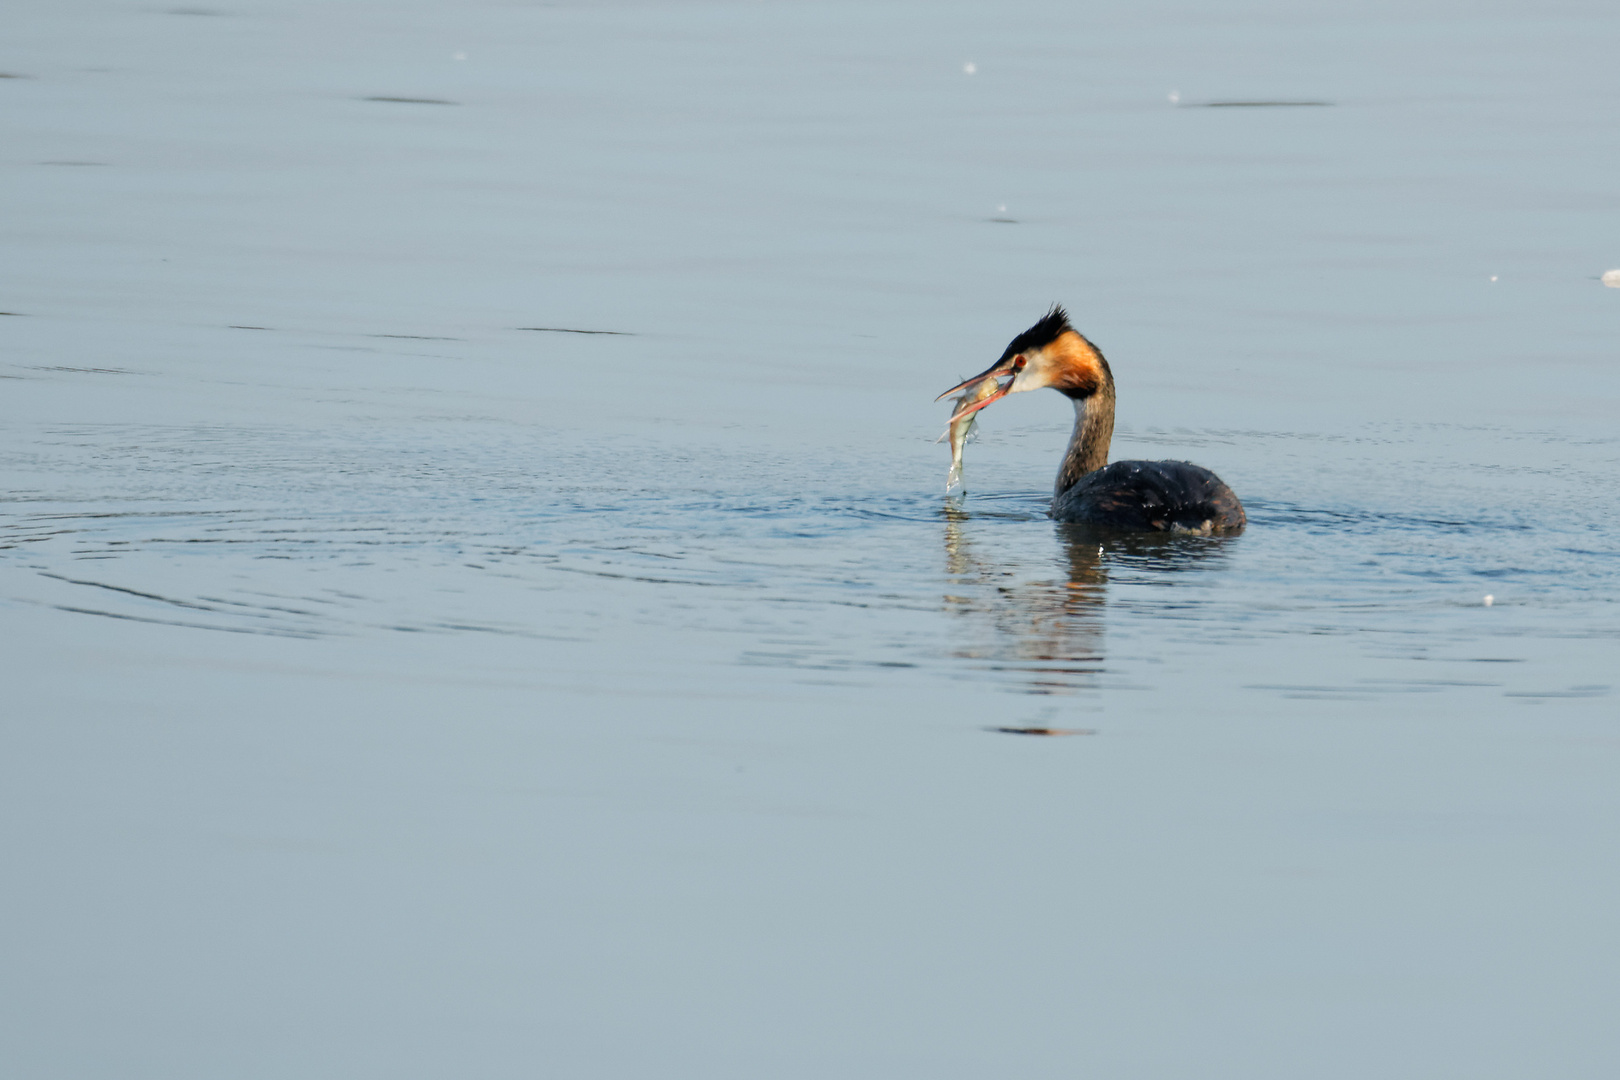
1093, 431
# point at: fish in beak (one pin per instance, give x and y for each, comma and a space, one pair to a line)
1050, 353
976, 393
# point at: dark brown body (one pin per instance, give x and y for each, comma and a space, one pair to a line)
1152, 496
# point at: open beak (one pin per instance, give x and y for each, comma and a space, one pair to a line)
968, 410
1009, 366
998, 369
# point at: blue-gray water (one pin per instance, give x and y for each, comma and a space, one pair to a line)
392, 689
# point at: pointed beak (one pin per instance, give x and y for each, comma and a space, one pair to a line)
998, 369
968, 410
1010, 366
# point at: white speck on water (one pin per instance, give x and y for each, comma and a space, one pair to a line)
970, 67
1001, 208
458, 56
1175, 97
1611, 278
1493, 277
1489, 599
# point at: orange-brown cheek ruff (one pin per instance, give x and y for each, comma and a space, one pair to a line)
1075, 366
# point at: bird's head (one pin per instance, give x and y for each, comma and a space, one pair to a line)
1049, 354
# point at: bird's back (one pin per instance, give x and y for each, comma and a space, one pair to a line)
1152, 496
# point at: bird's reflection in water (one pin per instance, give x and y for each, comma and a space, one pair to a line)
1043, 622
1038, 614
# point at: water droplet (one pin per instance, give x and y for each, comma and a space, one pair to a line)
1489, 599
970, 67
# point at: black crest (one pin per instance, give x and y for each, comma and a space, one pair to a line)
1053, 324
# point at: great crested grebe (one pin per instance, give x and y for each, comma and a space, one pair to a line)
1155, 496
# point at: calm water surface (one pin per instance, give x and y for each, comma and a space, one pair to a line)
401, 683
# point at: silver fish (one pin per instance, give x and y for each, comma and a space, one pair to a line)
962, 426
